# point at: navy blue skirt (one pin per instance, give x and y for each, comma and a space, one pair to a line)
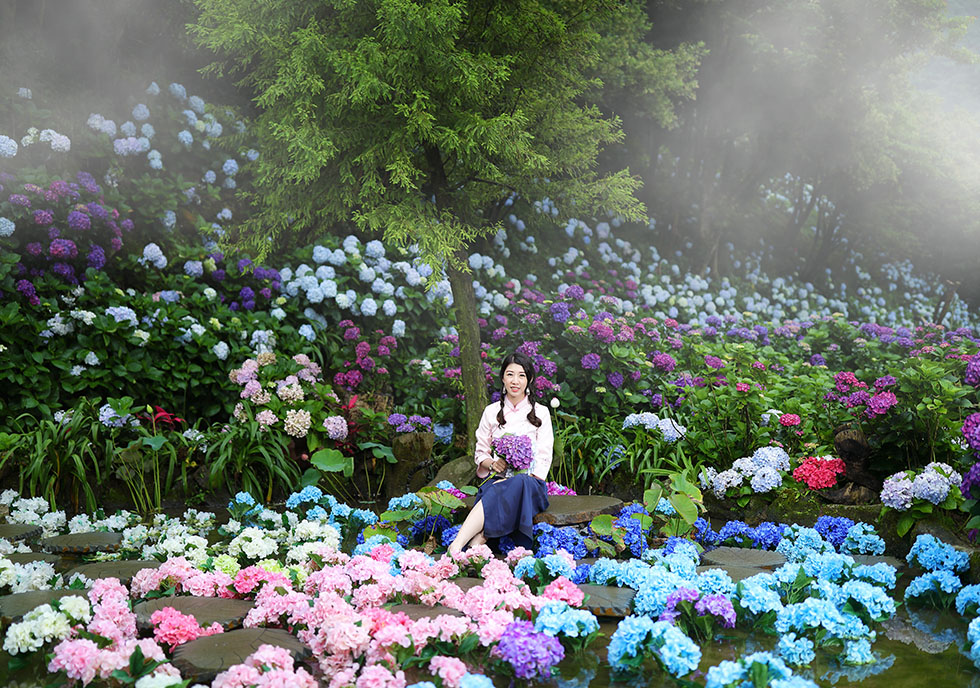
509, 507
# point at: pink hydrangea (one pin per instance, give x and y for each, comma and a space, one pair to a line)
174, 628
564, 590
450, 669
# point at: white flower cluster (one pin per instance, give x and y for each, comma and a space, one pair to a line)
45, 624
35, 575
307, 537
253, 543
171, 538
8, 547
36, 512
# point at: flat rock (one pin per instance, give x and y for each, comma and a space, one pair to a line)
202, 659
467, 583
870, 559
608, 600
421, 611
124, 570
228, 614
31, 557
737, 573
13, 607
19, 531
82, 543
567, 510
738, 556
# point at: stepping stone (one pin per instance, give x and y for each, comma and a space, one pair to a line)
13, 607
736, 573
202, 659
82, 543
608, 600
738, 556
568, 510
207, 610
421, 611
870, 559
30, 557
124, 570
466, 583
19, 531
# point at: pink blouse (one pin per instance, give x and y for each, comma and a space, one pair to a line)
516, 424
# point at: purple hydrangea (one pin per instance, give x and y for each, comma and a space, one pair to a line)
574, 293
971, 431
885, 382
63, 249
663, 362
719, 606
560, 311
79, 221
896, 492
714, 362
43, 217
615, 379
96, 257
971, 480
880, 403
531, 654
516, 450
591, 361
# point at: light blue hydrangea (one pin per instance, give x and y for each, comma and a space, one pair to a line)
153, 89
321, 254
8, 147
389, 308
220, 350
194, 268
398, 328
796, 651
185, 138
933, 554
154, 256
7, 227
251, 155
862, 539
141, 113
306, 332
210, 177
230, 167
369, 307
169, 219
177, 91
196, 104
938, 581
128, 129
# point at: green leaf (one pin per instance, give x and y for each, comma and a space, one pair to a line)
333, 461
685, 507
602, 525
154, 442
905, 523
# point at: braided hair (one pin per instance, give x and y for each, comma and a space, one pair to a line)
524, 361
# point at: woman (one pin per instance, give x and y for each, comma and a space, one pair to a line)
507, 504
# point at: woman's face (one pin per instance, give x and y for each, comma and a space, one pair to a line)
515, 382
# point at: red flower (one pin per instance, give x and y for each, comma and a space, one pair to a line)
789, 420
819, 472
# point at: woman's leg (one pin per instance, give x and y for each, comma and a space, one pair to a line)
472, 526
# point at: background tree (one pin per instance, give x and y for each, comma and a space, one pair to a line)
421, 120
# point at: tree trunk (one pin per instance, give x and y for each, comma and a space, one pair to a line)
474, 379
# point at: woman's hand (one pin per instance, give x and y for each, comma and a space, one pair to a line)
498, 466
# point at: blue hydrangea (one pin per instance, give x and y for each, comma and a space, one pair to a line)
715, 582
196, 104
834, 529
141, 113
230, 167
756, 595
933, 554
862, 539
321, 254
557, 618
310, 493
968, 600
194, 268
646, 420
185, 137
858, 652
637, 635
796, 651
932, 583
874, 599
799, 541
6, 227
827, 565
767, 535
177, 91
880, 574
475, 681
306, 332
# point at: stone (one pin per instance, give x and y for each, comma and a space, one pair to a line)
202, 659
207, 610
82, 543
31, 557
412, 451
608, 600
466, 583
736, 573
13, 607
459, 472
738, 556
870, 559
123, 570
567, 510
422, 611
19, 531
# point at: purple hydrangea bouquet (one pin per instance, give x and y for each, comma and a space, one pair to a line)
516, 450
698, 615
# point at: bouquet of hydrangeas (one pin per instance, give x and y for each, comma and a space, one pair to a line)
917, 492
516, 450
760, 473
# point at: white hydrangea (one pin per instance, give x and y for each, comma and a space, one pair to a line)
252, 543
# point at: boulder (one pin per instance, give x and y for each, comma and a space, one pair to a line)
82, 543
202, 659
459, 472
207, 610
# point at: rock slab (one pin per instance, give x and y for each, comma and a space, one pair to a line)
228, 614
31, 557
203, 659
13, 607
608, 600
567, 510
738, 556
82, 543
124, 570
421, 611
19, 531
737, 573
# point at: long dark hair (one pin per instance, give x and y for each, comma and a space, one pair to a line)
525, 362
